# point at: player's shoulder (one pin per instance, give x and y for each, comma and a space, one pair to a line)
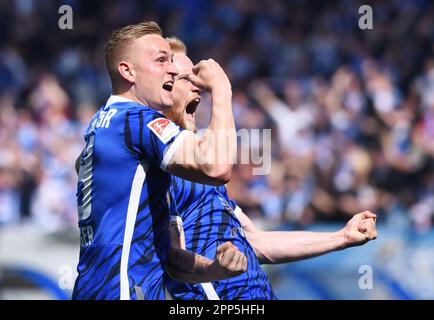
156, 122
145, 113
177, 181
131, 107
180, 186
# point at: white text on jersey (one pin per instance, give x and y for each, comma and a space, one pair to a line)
105, 117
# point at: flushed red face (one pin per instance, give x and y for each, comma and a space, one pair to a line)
185, 95
152, 71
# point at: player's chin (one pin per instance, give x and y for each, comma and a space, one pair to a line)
166, 101
190, 125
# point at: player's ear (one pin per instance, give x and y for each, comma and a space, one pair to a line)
127, 72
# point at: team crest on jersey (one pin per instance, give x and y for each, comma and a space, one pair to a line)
163, 128
225, 204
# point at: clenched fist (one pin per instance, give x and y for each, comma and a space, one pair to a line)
360, 229
229, 262
209, 76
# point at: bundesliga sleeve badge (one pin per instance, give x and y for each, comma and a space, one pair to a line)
163, 128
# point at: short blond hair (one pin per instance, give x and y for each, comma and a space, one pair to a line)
120, 39
177, 45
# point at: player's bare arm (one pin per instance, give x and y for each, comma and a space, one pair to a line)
209, 158
287, 246
186, 266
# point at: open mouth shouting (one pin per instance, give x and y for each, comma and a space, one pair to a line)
168, 85
191, 107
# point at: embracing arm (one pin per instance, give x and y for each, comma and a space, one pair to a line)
287, 246
188, 267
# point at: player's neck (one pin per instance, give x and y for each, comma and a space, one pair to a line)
130, 96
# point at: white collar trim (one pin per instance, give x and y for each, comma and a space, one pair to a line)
115, 99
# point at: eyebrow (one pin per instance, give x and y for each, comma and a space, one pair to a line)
183, 75
166, 53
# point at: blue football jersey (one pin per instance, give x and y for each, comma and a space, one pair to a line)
209, 219
122, 205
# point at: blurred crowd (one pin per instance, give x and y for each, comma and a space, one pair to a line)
351, 110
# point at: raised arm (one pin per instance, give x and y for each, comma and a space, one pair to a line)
286, 246
209, 158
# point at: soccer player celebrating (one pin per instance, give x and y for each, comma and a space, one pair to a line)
207, 217
124, 170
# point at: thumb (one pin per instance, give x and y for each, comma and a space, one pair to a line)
197, 67
362, 227
369, 214
223, 247
194, 79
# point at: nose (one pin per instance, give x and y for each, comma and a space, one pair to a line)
172, 69
195, 89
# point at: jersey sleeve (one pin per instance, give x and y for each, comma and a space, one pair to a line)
150, 135
237, 210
